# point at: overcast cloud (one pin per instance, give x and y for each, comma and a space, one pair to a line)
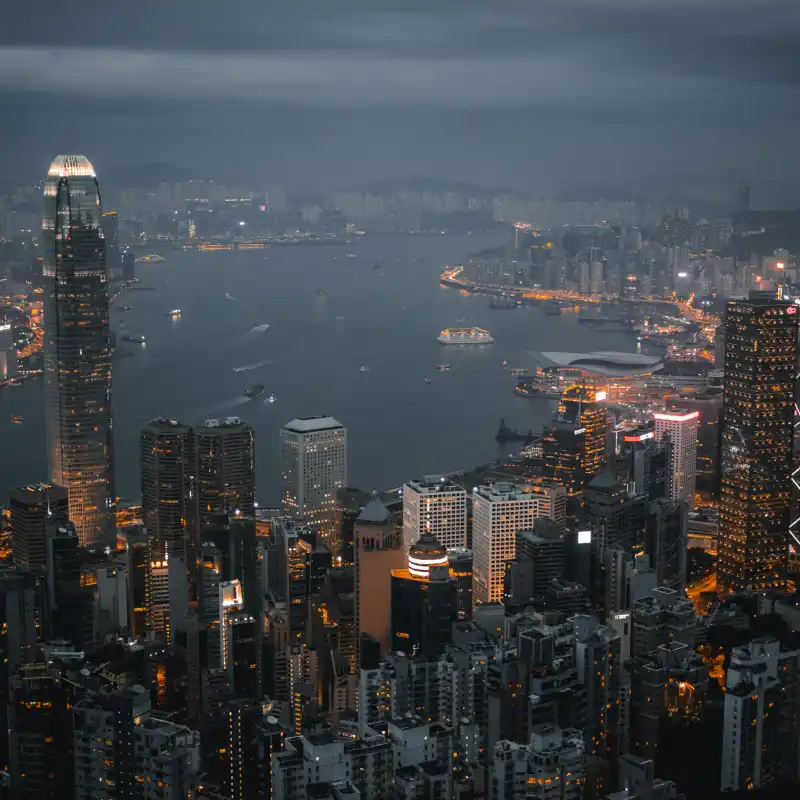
538, 94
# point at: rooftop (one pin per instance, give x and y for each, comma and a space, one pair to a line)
374, 512
311, 424
71, 166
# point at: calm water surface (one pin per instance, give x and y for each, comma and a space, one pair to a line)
310, 357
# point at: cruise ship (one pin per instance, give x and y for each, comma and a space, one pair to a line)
465, 336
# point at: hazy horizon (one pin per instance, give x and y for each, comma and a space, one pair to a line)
645, 97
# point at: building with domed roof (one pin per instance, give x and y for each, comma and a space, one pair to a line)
424, 601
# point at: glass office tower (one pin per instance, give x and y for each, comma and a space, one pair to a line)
756, 444
77, 352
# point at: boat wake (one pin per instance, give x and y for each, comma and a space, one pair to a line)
248, 367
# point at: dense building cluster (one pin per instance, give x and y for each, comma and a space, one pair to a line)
546, 633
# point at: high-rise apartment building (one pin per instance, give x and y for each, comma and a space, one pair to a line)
77, 348
551, 766
756, 444
40, 722
33, 510
434, 505
760, 735
119, 741
499, 511
313, 468
167, 468
225, 479
679, 428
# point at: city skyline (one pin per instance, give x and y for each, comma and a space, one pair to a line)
453, 442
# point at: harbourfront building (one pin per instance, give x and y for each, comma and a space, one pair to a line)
435, 505
313, 468
756, 444
77, 345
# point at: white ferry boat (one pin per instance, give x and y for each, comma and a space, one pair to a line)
465, 336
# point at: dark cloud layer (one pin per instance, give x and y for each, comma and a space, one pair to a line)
313, 92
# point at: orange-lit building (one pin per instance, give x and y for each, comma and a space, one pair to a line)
756, 444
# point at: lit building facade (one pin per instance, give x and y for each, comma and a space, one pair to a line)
499, 511
225, 475
424, 602
680, 429
167, 464
756, 444
434, 505
313, 468
574, 447
77, 347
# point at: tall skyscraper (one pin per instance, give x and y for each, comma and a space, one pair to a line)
436, 506
33, 510
167, 468
756, 444
77, 353
225, 472
680, 429
313, 468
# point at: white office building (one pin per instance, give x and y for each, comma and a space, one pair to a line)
680, 429
499, 510
433, 505
313, 467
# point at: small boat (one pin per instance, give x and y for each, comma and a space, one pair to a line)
254, 391
126, 308
175, 313
271, 399
134, 339
320, 292
351, 255
443, 367
376, 265
363, 369
505, 363
518, 371
17, 420
428, 380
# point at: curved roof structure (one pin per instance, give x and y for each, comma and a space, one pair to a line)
606, 362
71, 166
